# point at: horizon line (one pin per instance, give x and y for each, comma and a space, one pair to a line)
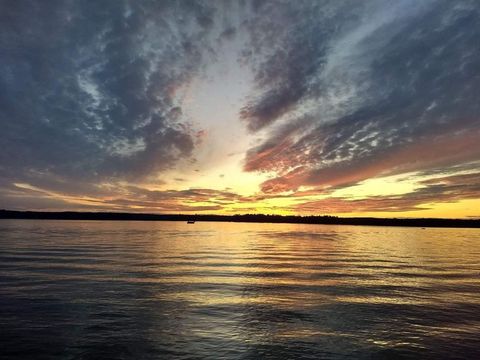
247, 218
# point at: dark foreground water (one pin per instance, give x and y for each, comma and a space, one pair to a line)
156, 290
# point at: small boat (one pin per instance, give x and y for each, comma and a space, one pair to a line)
191, 222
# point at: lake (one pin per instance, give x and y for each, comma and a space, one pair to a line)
150, 290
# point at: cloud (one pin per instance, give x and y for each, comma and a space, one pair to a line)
117, 196
436, 190
87, 90
436, 151
349, 93
289, 45
93, 94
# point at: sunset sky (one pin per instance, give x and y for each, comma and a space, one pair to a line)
349, 108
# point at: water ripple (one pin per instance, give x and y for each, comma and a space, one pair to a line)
90, 290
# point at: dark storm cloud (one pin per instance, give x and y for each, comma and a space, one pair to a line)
404, 76
87, 89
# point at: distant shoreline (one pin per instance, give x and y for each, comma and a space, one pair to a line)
247, 218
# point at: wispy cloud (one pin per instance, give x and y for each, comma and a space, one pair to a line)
437, 190
415, 67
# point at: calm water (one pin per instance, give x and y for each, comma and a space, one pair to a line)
148, 290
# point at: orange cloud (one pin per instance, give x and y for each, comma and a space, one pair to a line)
426, 153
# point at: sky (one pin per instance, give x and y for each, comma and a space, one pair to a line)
342, 107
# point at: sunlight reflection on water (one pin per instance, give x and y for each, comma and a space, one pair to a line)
226, 290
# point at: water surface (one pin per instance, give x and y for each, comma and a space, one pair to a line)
150, 290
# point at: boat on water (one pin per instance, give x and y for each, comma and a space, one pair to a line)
191, 222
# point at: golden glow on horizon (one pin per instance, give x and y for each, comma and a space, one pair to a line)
385, 186
251, 201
